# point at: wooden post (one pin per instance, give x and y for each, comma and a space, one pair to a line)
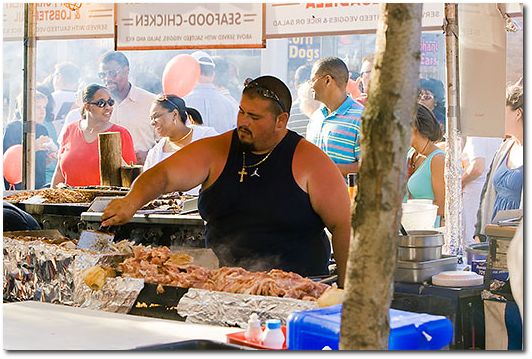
110, 153
28, 126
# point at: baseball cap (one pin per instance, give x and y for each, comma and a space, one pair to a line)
203, 58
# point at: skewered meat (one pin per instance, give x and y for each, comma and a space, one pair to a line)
161, 266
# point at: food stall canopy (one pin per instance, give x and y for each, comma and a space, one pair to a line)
319, 19
190, 26
482, 49
61, 21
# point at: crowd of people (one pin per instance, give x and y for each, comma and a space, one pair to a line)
154, 127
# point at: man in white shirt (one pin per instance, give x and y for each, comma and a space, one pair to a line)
215, 108
65, 80
477, 155
132, 108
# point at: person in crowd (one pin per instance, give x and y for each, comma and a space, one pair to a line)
226, 78
503, 189
44, 145
426, 162
365, 78
16, 219
340, 117
73, 115
244, 174
50, 124
132, 109
169, 116
217, 110
432, 95
298, 119
65, 80
78, 161
477, 154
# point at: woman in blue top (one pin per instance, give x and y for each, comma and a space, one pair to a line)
503, 188
426, 161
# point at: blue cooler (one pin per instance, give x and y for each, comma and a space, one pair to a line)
318, 328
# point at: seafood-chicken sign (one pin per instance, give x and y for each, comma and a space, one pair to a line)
184, 26
61, 21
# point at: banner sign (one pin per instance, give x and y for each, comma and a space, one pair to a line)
316, 19
185, 26
61, 21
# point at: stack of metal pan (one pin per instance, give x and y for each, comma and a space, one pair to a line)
419, 256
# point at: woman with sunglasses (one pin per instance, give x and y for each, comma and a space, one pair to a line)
169, 116
78, 162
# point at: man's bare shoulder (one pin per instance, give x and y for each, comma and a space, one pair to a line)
310, 160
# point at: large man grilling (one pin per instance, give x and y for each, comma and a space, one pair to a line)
266, 193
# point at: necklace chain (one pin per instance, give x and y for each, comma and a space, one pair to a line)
243, 171
182, 138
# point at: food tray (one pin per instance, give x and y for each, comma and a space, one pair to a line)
239, 338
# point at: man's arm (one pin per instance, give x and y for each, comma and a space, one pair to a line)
182, 171
346, 168
473, 170
329, 198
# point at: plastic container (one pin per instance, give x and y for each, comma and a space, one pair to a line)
273, 337
254, 330
318, 328
239, 339
457, 279
417, 216
422, 201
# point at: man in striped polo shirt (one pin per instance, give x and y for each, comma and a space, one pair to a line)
340, 123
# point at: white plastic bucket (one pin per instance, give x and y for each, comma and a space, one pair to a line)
422, 201
419, 216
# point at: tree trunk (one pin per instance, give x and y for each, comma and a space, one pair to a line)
386, 132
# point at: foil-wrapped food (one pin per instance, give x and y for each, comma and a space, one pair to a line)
36, 268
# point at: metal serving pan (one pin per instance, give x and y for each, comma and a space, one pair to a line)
419, 254
421, 238
419, 272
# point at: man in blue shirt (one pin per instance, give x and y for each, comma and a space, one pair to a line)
217, 110
340, 123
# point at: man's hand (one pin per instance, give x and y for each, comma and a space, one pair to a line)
118, 211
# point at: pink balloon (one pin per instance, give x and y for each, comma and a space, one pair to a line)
13, 164
180, 75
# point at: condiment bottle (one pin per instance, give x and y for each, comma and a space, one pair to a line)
273, 336
351, 185
254, 330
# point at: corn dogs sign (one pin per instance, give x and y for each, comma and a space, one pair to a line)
182, 26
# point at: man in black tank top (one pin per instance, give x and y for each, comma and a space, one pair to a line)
267, 193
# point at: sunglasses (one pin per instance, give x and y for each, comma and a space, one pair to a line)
111, 73
101, 102
264, 92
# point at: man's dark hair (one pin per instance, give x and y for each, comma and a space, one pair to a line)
268, 87
427, 125
116, 56
334, 67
